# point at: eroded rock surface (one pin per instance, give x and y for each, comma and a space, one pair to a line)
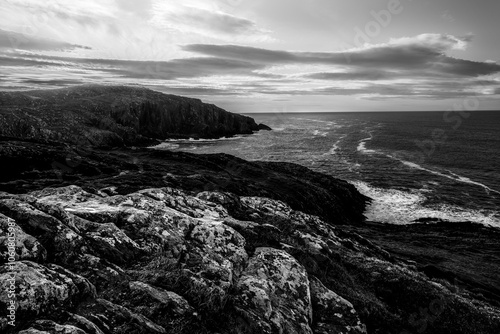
162, 260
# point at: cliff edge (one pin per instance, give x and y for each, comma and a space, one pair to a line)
112, 116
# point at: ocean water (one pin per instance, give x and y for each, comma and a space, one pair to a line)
412, 164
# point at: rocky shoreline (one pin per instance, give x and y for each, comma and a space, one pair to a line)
145, 241
133, 240
114, 116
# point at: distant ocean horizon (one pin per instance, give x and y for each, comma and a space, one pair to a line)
414, 165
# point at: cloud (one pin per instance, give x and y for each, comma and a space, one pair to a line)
411, 67
86, 12
423, 52
353, 75
195, 67
14, 40
53, 82
438, 42
195, 17
380, 91
16, 61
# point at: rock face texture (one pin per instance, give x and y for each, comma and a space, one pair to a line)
164, 260
31, 165
111, 116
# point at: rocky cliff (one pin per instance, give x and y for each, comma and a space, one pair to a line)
110, 116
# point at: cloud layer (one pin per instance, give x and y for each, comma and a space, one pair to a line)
417, 67
24, 41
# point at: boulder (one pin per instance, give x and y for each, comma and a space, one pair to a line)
51, 327
42, 291
273, 295
332, 313
155, 303
116, 319
26, 247
59, 240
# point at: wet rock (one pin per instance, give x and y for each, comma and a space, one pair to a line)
264, 127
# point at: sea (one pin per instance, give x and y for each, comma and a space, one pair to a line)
416, 166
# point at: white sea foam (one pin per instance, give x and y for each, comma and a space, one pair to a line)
166, 146
171, 144
335, 147
404, 207
329, 123
451, 175
362, 145
320, 133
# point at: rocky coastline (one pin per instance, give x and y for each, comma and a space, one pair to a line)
114, 116
134, 240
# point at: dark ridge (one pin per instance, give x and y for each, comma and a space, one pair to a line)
114, 116
28, 166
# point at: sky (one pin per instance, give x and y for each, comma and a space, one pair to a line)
263, 55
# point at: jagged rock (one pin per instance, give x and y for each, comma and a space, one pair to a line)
216, 256
35, 166
100, 272
273, 295
155, 303
116, 319
110, 242
26, 246
332, 313
51, 327
64, 242
42, 290
83, 323
267, 206
149, 221
165, 261
191, 206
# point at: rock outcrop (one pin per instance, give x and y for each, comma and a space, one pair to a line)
162, 260
31, 165
112, 116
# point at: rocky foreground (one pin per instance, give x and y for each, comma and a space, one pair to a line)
161, 260
144, 241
